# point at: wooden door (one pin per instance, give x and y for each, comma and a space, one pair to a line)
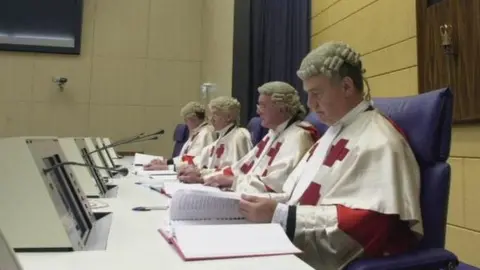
460, 69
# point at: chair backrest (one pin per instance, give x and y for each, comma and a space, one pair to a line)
312, 119
426, 120
256, 130
180, 136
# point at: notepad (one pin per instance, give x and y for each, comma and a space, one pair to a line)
143, 159
206, 242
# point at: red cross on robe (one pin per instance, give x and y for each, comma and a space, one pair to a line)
247, 166
337, 152
220, 150
260, 147
272, 153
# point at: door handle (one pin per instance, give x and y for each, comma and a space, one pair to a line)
446, 35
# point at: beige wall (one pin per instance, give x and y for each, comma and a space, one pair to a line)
384, 32
141, 61
218, 44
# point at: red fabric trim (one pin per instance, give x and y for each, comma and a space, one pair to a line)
269, 189
228, 171
379, 234
188, 159
314, 134
395, 126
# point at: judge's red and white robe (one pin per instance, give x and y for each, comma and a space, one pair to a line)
357, 193
266, 167
232, 144
198, 139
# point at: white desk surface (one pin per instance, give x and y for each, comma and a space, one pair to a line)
135, 244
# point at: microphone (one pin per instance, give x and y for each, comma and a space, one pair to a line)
122, 171
129, 138
136, 139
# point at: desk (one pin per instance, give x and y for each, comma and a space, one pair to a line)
135, 244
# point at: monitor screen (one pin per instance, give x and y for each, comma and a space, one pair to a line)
102, 158
94, 172
51, 26
69, 196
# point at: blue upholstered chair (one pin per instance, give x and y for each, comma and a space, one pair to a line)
180, 136
312, 119
426, 120
256, 130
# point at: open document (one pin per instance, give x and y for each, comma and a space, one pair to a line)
207, 225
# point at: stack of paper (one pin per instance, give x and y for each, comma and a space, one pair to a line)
169, 188
142, 159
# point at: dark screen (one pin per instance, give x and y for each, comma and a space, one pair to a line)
69, 195
93, 172
41, 26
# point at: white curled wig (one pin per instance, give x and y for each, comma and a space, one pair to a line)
192, 108
286, 95
333, 59
227, 105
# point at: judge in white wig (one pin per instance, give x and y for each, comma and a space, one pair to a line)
233, 142
201, 134
356, 193
266, 167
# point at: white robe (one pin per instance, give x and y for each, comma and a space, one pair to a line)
266, 167
357, 193
198, 139
232, 144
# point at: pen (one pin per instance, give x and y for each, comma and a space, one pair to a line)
150, 208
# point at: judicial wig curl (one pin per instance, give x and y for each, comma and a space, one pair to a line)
193, 108
335, 60
286, 95
227, 105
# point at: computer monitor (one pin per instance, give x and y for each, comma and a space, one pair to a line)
76, 205
102, 158
99, 143
42, 205
8, 258
94, 172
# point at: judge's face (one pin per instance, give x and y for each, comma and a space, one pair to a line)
270, 113
327, 97
219, 119
192, 122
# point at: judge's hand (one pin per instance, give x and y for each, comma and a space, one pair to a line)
191, 177
155, 167
188, 169
219, 180
257, 209
158, 161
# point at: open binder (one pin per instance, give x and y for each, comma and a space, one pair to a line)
207, 225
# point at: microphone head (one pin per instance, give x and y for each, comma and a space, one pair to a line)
123, 171
160, 132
